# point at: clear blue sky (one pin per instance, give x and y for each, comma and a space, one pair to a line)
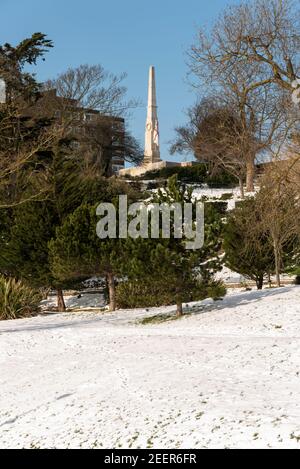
123, 36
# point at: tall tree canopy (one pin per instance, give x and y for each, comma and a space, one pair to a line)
13, 60
251, 49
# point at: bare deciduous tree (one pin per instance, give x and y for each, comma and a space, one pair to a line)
279, 205
214, 134
92, 87
90, 101
264, 33
225, 63
101, 139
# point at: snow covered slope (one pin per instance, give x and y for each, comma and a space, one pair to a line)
227, 375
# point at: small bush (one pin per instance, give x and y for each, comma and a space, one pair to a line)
152, 185
196, 174
136, 294
216, 290
17, 300
189, 174
218, 207
221, 180
157, 319
226, 197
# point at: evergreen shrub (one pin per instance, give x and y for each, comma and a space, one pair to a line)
17, 300
142, 294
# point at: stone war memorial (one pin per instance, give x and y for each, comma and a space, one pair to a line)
152, 157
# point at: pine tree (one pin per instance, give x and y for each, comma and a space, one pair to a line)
32, 223
26, 251
24, 255
185, 274
77, 252
13, 60
22, 134
292, 260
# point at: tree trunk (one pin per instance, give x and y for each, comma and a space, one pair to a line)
241, 183
112, 292
61, 306
277, 263
260, 283
250, 176
269, 280
179, 311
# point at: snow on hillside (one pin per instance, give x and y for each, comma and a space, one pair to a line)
217, 194
225, 376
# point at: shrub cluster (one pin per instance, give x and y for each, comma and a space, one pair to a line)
137, 294
196, 174
17, 300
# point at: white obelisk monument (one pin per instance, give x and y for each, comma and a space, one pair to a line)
152, 151
152, 159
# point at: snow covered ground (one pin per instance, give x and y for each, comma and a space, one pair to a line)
217, 194
225, 376
78, 302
